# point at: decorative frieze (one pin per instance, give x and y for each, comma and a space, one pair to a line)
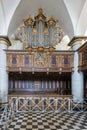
40, 61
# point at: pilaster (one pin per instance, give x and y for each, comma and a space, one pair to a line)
77, 78
4, 43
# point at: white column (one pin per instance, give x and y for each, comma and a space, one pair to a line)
3, 73
77, 82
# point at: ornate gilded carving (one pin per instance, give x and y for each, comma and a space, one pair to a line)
51, 22
29, 21
40, 16
40, 60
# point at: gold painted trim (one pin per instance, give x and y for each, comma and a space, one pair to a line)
5, 41
75, 39
76, 42
40, 16
29, 21
51, 22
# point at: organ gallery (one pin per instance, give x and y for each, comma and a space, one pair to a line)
39, 68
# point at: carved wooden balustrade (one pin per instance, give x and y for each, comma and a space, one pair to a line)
21, 61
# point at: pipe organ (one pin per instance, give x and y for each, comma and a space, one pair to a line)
40, 33
39, 68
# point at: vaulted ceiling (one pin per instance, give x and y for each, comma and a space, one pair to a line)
71, 14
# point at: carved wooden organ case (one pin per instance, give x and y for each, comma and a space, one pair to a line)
39, 71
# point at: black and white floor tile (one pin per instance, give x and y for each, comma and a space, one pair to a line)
48, 121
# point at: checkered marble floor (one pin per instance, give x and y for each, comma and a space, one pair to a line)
48, 121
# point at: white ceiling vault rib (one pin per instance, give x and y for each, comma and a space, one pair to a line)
2, 18
82, 22
71, 28
54, 8
71, 14
74, 8
7, 8
3, 10
11, 10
